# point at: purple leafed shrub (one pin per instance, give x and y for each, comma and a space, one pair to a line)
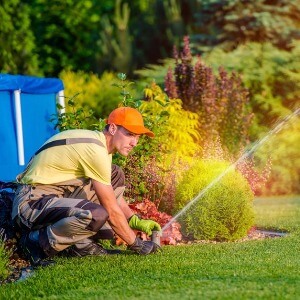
220, 100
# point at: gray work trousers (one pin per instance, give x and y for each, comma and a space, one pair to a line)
64, 214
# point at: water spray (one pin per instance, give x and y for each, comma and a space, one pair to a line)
246, 154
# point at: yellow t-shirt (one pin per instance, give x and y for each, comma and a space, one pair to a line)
66, 162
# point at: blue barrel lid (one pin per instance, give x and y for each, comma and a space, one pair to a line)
30, 84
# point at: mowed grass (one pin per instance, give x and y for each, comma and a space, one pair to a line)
257, 269
281, 213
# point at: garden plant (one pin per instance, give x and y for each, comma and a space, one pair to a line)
224, 212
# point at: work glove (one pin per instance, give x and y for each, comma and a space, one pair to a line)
146, 226
144, 247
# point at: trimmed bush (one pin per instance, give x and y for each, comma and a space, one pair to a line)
224, 212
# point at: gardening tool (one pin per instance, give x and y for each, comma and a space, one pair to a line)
155, 237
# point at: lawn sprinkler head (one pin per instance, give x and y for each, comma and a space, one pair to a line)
155, 237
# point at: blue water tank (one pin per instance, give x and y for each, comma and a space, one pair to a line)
27, 104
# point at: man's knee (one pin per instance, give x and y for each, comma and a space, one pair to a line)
99, 216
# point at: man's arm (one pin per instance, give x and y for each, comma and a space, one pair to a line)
117, 218
125, 208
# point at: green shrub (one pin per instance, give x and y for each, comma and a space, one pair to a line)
94, 92
76, 117
224, 212
4, 260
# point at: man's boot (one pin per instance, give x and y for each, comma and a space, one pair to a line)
89, 247
33, 251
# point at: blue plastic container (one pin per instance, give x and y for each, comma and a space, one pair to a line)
27, 104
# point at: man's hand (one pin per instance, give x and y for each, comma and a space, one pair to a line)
146, 226
144, 247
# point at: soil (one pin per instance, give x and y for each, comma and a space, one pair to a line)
20, 268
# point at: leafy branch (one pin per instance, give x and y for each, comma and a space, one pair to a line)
77, 118
123, 84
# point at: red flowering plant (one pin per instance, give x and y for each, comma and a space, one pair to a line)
147, 209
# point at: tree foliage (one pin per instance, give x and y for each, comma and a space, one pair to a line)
100, 35
65, 33
123, 36
114, 43
18, 48
231, 23
271, 76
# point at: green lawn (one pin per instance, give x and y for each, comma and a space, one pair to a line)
261, 269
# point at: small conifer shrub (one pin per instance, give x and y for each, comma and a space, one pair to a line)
224, 211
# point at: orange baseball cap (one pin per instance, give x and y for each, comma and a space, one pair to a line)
130, 118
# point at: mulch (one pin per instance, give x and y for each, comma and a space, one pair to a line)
253, 234
17, 262
19, 266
